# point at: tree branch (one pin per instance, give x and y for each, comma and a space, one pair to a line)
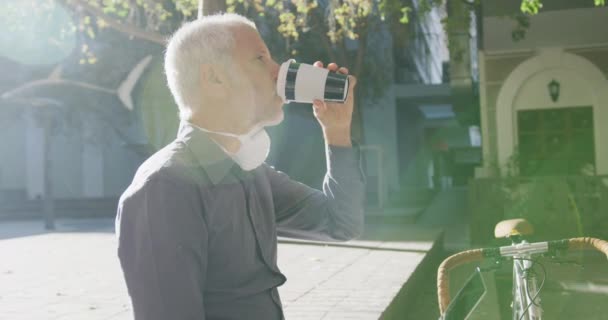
322, 32
358, 67
343, 53
328, 48
116, 24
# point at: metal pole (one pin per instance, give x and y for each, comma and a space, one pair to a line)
200, 9
48, 202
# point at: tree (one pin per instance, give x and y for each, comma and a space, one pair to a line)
341, 27
333, 30
300, 25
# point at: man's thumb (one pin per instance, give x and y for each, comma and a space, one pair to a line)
352, 81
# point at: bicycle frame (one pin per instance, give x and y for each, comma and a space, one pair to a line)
526, 304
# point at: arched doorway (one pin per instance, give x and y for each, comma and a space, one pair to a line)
560, 86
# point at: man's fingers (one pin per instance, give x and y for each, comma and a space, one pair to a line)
332, 67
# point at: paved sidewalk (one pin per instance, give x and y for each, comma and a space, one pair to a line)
74, 273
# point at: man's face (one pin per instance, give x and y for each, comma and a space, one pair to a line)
254, 82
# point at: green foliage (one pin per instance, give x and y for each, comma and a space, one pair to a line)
522, 26
343, 19
331, 27
531, 6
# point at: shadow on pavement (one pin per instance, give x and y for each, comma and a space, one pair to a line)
28, 228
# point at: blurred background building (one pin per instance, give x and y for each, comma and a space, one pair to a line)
543, 104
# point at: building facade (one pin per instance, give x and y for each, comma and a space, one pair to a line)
545, 92
543, 108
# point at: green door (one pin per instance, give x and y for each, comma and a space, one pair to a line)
556, 141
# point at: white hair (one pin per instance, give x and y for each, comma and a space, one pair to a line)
207, 40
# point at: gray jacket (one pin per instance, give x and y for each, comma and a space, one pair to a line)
198, 235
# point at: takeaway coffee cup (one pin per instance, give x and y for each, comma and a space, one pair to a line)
300, 82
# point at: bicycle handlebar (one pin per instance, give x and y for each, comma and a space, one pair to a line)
443, 288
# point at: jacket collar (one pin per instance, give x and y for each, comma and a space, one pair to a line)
210, 156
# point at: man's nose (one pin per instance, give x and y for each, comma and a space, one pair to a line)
274, 70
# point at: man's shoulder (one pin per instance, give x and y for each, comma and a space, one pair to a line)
174, 161
172, 164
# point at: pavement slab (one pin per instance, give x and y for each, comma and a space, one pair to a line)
74, 273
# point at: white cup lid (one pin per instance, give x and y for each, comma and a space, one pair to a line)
282, 77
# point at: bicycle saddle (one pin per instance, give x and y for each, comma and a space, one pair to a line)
513, 227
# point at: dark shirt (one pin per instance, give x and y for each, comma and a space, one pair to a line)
198, 235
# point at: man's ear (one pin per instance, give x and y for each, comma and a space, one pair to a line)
212, 78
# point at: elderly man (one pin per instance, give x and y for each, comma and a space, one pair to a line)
198, 225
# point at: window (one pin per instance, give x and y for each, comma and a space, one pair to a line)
555, 141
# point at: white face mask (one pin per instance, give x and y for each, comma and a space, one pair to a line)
255, 147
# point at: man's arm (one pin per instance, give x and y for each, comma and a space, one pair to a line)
336, 213
162, 245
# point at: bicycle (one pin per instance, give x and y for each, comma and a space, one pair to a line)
526, 289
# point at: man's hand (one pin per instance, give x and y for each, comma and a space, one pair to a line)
336, 118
